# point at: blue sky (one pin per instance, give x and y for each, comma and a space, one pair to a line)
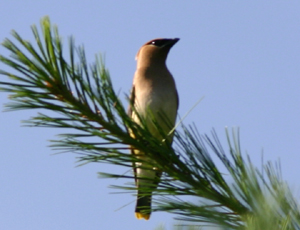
242, 56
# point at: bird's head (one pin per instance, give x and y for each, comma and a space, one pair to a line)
155, 50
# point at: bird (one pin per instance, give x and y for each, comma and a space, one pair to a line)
153, 94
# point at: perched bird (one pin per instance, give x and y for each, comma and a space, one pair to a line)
154, 96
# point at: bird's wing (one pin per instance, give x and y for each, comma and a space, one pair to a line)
129, 112
177, 97
131, 101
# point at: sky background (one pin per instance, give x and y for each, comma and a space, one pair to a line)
242, 56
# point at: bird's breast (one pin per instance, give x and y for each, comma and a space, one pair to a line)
157, 99
158, 103
155, 94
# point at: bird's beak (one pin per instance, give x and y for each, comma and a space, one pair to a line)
172, 42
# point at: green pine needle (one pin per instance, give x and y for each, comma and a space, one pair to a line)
97, 129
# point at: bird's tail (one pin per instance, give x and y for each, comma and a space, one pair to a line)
143, 206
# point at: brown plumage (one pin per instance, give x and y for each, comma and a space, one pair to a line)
153, 92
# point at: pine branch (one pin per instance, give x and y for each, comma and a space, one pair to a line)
84, 101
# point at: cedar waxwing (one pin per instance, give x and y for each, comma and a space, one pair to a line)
153, 94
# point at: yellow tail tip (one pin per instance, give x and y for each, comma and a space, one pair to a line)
139, 216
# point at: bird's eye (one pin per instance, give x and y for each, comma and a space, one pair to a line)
158, 43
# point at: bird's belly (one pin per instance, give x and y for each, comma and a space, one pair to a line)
161, 107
